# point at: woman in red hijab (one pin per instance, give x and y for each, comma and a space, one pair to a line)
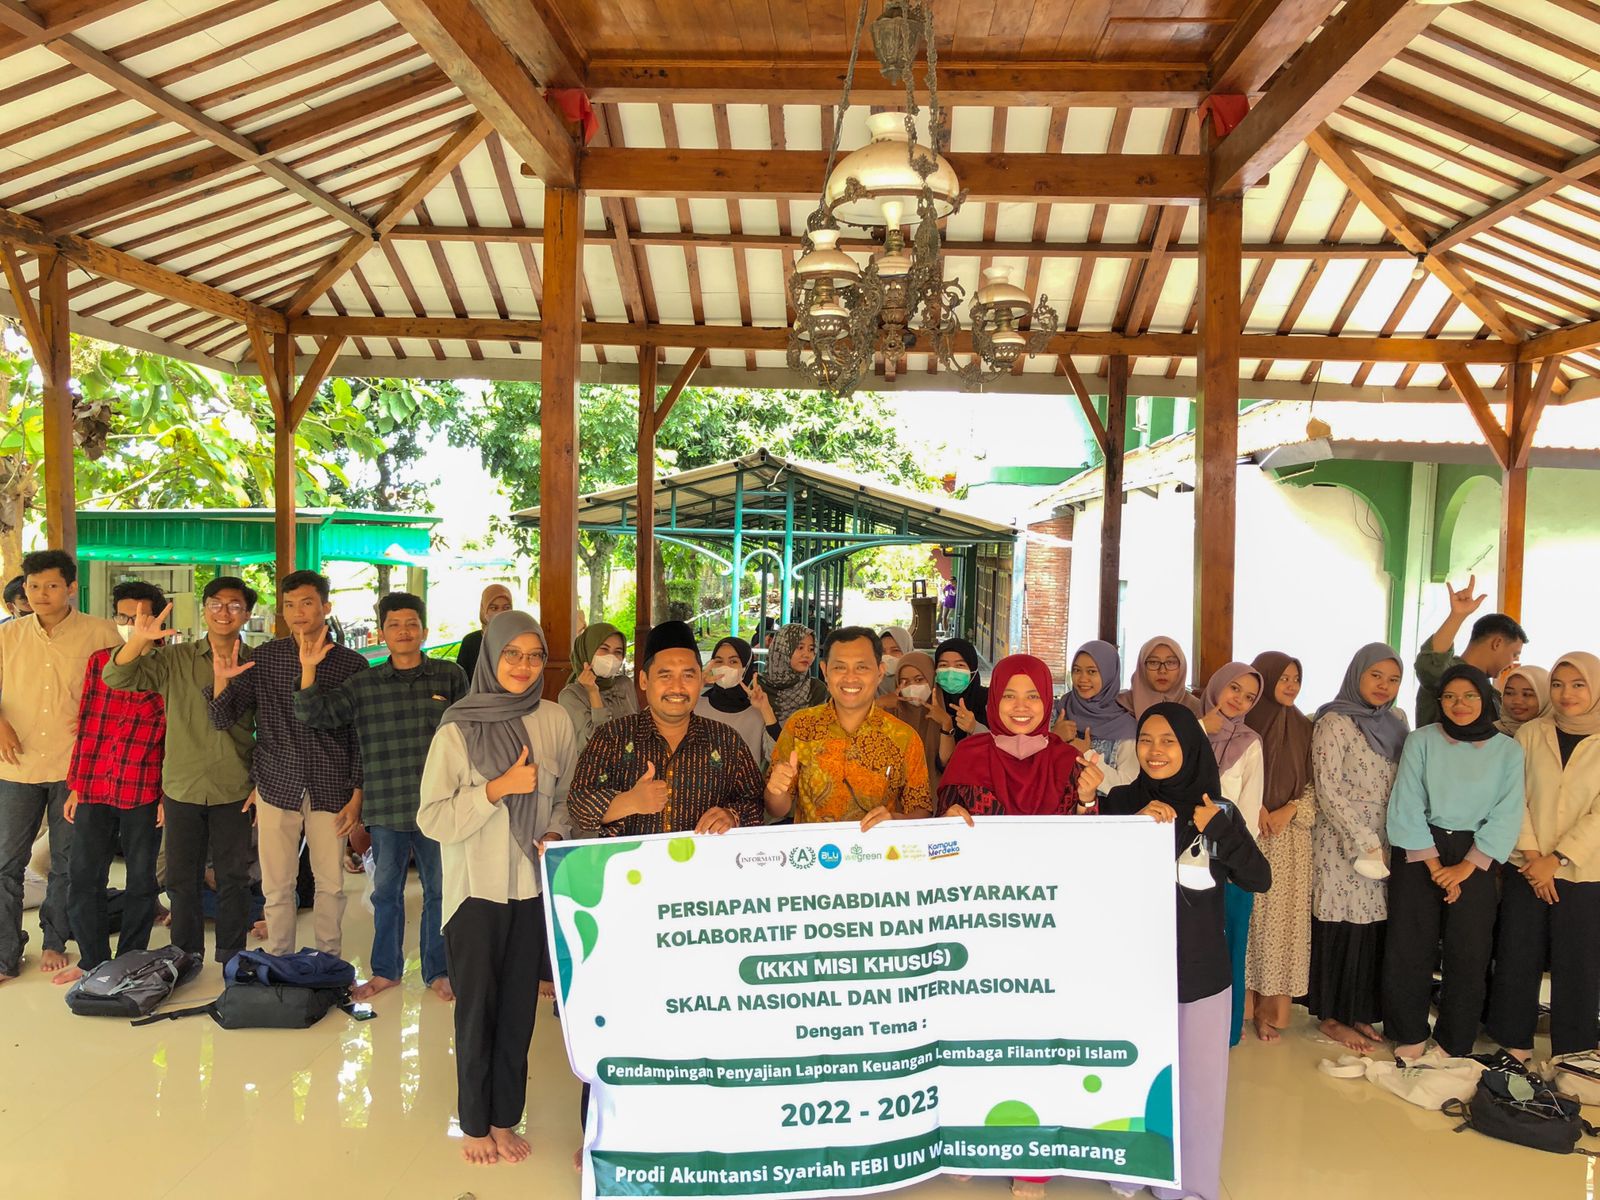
1019, 768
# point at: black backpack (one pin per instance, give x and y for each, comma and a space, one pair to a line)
1519, 1108
134, 984
307, 985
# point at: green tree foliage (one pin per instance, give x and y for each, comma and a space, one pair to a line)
706, 426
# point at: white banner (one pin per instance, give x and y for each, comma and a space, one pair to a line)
808, 1010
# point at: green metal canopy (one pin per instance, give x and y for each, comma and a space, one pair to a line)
804, 518
241, 536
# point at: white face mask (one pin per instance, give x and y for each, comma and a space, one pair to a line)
891, 664
728, 677
916, 693
125, 632
608, 666
1194, 867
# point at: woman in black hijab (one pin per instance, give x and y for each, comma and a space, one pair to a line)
1179, 783
734, 696
963, 700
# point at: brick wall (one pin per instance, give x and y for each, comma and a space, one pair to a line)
1048, 578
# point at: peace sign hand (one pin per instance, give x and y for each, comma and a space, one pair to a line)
966, 719
759, 701
939, 713
1463, 603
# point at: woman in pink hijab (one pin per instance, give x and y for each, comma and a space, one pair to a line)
1160, 676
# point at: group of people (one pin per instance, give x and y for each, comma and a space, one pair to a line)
1335, 859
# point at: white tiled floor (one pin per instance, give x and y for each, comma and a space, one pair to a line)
94, 1108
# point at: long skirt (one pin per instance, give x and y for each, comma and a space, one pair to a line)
1202, 1096
1279, 959
1347, 971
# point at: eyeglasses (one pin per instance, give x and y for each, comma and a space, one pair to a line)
123, 619
1161, 664
516, 658
231, 606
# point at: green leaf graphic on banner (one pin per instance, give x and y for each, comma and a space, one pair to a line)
1011, 1112
588, 930
1158, 1105
580, 874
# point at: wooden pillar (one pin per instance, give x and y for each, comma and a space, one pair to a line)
644, 539
1216, 431
54, 357
558, 427
1514, 491
1111, 505
285, 467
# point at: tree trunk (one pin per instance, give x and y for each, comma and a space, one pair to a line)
385, 503
595, 554
19, 484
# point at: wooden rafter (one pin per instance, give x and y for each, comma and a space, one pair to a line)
459, 39
622, 252
1086, 403
1582, 166
1373, 193
22, 297
534, 31
1495, 137
462, 142
28, 29
1262, 40
1472, 396
1353, 46
693, 363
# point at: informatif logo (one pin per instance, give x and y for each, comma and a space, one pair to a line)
802, 857
829, 856
765, 858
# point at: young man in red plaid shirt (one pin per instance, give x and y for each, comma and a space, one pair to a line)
115, 798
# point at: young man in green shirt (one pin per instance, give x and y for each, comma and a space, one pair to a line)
1495, 646
395, 709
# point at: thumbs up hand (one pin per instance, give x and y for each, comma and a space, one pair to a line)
781, 781
1205, 812
520, 778
649, 796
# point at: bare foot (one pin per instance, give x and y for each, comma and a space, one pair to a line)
577, 1160
1410, 1053
442, 989
1339, 1032
372, 987
479, 1151
547, 990
53, 960
163, 916
512, 1145
1367, 1031
259, 931
69, 975
1265, 1029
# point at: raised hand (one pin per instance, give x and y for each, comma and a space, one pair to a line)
781, 782
314, 647
759, 701
147, 627
1462, 602
1212, 721
649, 795
226, 665
966, 719
587, 680
1066, 729
519, 779
1205, 812
1090, 777
939, 713
1084, 744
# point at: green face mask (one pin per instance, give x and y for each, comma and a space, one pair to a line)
953, 680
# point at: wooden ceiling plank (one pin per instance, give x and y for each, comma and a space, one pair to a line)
1373, 193
485, 262
1503, 141
1574, 339
409, 291
457, 146
28, 29
622, 252
669, 134
1352, 47
459, 39
655, 79
371, 298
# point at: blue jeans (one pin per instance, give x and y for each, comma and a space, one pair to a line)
22, 807
1237, 905
392, 852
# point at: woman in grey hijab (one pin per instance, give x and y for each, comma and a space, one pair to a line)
494, 790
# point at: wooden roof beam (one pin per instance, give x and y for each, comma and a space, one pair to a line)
1262, 41
467, 48
107, 70
125, 268
462, 142
654, 80
1472, 396
1343, 162
1574, 339
773, 174
1580, 167
29, 29
537, 35
1352, 47
770, 337
1497, 138
186, 173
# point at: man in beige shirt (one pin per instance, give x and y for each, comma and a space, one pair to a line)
43, 658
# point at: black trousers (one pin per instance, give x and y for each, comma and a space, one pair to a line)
1533, 935
96, 831
223, 830
1419, 920
494, 952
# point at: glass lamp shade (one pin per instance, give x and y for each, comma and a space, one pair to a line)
884, 171
1007, 345
826, 261
999, 294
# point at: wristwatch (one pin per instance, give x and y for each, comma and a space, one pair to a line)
1563, 859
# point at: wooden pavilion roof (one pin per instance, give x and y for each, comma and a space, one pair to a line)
353, 167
